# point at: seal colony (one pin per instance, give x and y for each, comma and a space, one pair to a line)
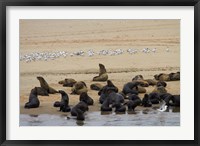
111, 98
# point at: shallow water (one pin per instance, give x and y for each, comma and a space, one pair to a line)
137, 118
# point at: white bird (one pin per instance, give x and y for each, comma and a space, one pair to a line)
163, 106
154, 50
167, 50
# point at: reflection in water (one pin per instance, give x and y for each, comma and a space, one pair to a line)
147, 117
79, 123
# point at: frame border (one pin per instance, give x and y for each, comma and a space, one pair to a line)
5, 3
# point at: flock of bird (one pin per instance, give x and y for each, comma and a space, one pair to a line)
46, 56
109, 95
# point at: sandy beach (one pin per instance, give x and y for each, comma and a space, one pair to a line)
75, 35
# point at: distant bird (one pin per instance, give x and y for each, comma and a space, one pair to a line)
154, 50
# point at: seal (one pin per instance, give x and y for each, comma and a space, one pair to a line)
171, 100
162, 77
68, 82
151, 82
41, 91
174, 76
154, 98
105, 91
117, 100
140, 79
133, 102
103, 76
128, 87
140, 89
161, 83
46, 86
80, 106
146, 102
64, 104
96, 86
79, 88
85, 98
33, 99
106, 105
159, 89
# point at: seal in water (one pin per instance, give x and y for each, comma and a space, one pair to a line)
81, 106
87, 99
33, 99
79, 88
133, 102
103, 76
146, 102
46, 86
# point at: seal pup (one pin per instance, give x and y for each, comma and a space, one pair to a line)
46, 86
103, 76
87, 99
79, 88
33, 99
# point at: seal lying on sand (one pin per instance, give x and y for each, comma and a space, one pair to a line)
79, 88
85, 98
128, 87
64, 103
168, 77
46, 86
96, 86
144, 82
103, 76
140, 89
174, 76
105, 91
33, 99
69, 82
160, 87
162, 77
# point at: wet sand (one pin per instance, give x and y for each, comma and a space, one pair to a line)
74, 35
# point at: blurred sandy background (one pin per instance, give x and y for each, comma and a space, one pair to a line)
75, 35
